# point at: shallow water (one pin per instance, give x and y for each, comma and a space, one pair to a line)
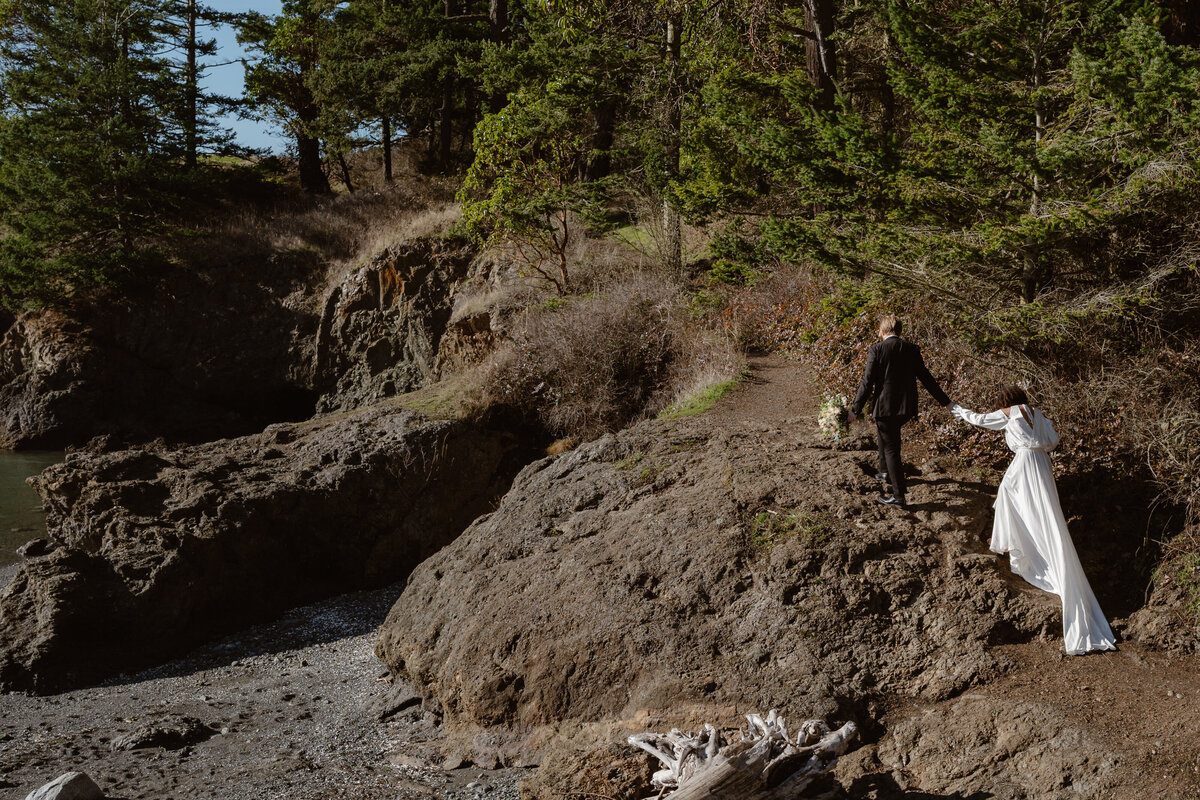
21, 515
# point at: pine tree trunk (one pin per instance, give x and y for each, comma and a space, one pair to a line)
312, 173
308, 146
469, 116
387, 150
498, 19
345, 168
446, 125
673, 255
603, 136
192, 88
820, 53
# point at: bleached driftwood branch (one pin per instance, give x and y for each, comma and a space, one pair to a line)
766, 764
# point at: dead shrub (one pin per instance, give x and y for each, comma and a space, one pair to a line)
586, 365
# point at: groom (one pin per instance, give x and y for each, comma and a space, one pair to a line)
893, 366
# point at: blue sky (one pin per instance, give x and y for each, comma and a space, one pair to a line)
227, 79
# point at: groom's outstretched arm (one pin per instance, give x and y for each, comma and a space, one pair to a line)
865, 385
929, 383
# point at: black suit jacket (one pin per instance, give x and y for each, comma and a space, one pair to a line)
893, 367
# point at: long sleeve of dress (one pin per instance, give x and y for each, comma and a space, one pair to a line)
1045, 436
995, 421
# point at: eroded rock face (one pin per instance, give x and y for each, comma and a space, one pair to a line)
672, 566
1169, 620
160, 550
1015, 749
61, 384
382, 328
226, 352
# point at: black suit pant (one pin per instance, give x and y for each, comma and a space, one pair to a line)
888, 439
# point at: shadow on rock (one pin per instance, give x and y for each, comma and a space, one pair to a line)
884, 787
161, 551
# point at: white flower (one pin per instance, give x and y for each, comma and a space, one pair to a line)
833, 417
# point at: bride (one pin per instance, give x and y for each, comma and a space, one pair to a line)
1029, 523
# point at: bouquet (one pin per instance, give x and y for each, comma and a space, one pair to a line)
833, 418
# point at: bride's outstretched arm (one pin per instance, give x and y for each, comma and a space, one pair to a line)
994, 421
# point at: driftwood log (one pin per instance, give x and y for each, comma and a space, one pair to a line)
767, 763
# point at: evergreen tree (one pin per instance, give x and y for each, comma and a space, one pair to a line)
186, 27
414, 65
279, 82
85, 147
993, 162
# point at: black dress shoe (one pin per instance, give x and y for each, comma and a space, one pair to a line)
881, 476
889, 500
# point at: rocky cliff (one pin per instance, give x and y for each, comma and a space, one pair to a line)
158, 550
686, 572
386, 328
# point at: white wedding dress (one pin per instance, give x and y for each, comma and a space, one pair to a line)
1030, 526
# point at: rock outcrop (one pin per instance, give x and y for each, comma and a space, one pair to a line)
159, 550
193, 356
1014, 749
678, 565
60, 384
225, 353
383, 326
1170, 619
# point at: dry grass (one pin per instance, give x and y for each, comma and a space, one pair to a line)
649, 236
588, 365
317, 234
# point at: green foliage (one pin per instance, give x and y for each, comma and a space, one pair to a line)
769, 528
1027, 131
699, 402
523, 188
736, 258
629, 462
84, 153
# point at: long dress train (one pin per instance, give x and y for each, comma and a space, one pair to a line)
1030, 526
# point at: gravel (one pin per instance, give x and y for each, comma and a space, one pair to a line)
293, 705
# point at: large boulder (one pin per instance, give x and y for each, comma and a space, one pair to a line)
683, 565
383, 326
61, 384
159, 550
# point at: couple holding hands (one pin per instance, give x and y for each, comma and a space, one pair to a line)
1029, 523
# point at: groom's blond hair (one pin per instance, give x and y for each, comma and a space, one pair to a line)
888, 323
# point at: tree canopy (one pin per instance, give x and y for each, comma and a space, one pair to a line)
989, 151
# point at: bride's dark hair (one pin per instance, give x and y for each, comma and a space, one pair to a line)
1013, 396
